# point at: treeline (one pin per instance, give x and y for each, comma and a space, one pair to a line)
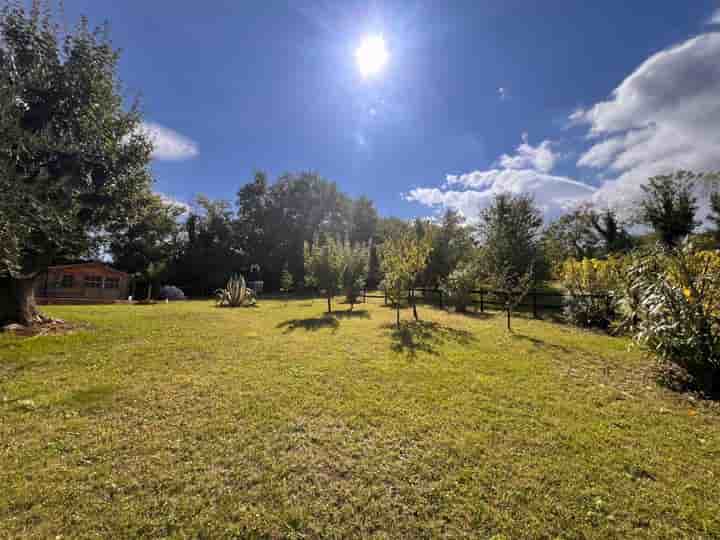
265, 230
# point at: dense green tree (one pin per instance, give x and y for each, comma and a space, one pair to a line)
452, 243
668, 206
212, 252
73, 161
151, 240
571, 236
363, 221
511, 258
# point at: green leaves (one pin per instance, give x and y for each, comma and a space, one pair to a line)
70, 154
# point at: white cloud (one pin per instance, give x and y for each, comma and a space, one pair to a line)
169, 145
526, 172
169, 200
663, 117
502, 92
540, 157
471, 192
715, 17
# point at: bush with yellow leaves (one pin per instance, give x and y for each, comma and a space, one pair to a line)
680, 310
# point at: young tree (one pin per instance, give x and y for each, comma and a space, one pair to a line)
324, 266
669, 206
460, 284
286, 280
511, 257
73, 161
355, 272
403, 258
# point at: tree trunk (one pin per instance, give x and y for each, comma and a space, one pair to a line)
149, 295
415, 313
17, 301
397, 314
329, 306
508, 319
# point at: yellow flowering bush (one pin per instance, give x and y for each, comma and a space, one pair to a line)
591, 284
680, 310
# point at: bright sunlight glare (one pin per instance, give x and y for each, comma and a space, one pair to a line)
371, 56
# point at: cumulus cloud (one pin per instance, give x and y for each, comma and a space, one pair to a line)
169, 200
663, 117
715, 17
169, 145
540, 157
526, 172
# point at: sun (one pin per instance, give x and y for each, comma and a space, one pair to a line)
371, 56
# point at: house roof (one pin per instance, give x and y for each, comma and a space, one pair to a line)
89, 265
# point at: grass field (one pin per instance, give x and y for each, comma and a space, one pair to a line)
186, 420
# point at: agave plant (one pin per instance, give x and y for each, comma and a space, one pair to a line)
235, 293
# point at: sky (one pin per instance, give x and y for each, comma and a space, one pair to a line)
569, 101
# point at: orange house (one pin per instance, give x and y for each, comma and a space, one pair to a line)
93, 281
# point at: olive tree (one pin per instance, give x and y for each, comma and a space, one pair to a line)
73, 160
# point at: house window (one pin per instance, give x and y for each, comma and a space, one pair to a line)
112, 283
67, 281
93, 282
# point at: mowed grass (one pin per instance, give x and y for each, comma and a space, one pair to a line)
190, 421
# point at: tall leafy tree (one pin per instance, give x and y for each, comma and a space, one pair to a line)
73, 161
363, 221
212, 252
152, 241
613, 234
668, 206
511, 257
452, 243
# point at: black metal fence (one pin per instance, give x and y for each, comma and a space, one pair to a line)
534, 301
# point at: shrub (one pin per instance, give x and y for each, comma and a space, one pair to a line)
170, 292
235, 293
591, 284
459, 285
680, 318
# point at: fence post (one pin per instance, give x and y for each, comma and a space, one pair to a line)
440, 293
482, 301
534, 297
364, 295
385, 290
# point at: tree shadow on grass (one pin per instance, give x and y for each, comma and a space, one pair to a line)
354, 314
425, 336
328, 320
311, 324
540, 343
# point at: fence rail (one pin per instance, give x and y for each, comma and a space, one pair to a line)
483, 298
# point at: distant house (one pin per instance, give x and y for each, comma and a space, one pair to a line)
85, 281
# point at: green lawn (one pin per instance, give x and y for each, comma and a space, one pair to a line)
186, 420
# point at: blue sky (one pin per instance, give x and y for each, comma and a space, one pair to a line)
477, 97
